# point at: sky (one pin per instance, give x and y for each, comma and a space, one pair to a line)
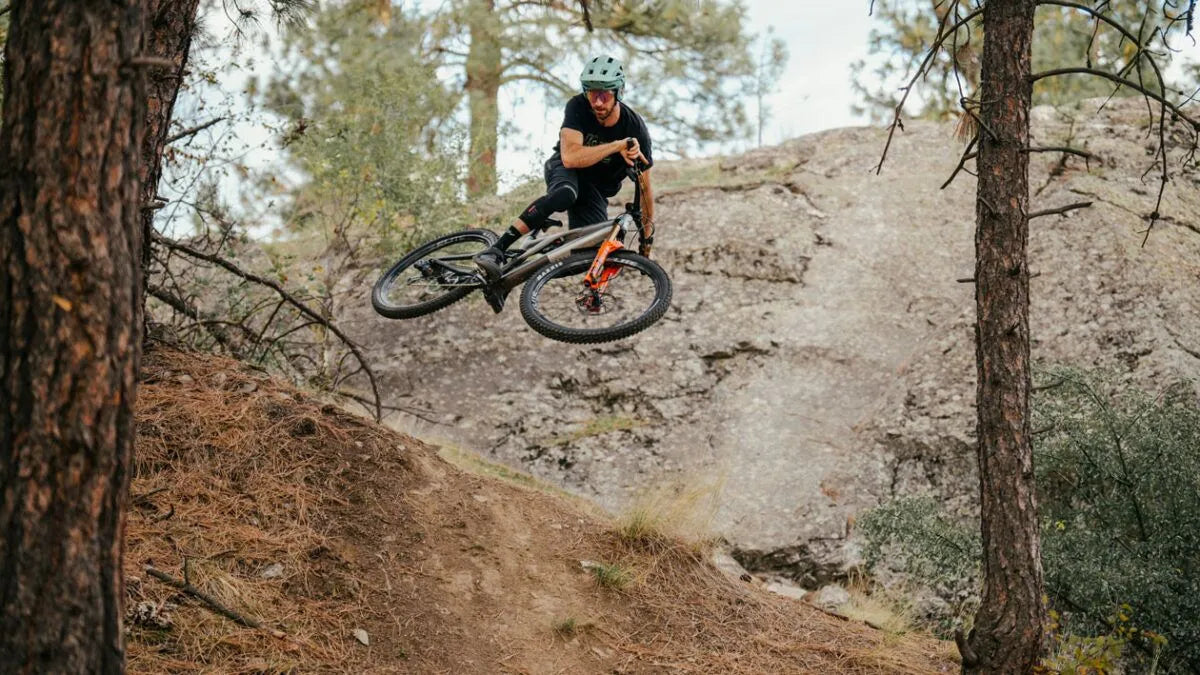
823, 38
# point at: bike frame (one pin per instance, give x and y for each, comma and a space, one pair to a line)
539, 251
606, 235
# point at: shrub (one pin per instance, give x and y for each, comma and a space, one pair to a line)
1118, 480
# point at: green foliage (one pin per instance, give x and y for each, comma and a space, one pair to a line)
1118, 474
611, 576
933, 548
373, 128
689, 63
567, 627
1071, 654
1118, 479
1063, 37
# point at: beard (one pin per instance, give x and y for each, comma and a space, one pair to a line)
604, 113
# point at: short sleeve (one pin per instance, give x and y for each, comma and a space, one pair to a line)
573, 116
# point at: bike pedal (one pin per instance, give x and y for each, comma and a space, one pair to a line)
495, 298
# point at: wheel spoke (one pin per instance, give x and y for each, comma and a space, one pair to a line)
568, 302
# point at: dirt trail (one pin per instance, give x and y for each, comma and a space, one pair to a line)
322, 524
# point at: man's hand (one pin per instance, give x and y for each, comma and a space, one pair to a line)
631, 151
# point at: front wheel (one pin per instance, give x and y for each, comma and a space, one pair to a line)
433, 276
557, 303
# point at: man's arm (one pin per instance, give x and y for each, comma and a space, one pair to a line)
647, 210
576, 155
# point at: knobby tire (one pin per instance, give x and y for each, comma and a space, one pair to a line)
577, 266
380, 293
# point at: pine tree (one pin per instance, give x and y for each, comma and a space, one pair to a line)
374, 128
1063, 37
689, 63
70, 237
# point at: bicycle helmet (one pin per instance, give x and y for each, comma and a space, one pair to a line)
603, 72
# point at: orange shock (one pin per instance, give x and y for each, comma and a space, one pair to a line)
600, 273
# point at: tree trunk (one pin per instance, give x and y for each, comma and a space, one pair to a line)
70, 237
169, 31
484, 69
1008, 632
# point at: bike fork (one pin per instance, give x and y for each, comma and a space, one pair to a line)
599, 274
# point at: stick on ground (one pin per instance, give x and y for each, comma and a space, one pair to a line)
213, 604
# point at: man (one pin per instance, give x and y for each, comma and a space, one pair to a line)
584, 170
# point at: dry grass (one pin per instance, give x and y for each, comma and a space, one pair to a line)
888, 610
698, 620
682, 510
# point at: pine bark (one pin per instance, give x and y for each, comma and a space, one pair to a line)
1009, 626
484, 70
70, 283
169, 30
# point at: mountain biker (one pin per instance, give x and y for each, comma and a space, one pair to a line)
583, 173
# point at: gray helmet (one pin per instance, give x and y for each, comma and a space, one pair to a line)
603, 72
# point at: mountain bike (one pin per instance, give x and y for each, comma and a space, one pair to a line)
582, 285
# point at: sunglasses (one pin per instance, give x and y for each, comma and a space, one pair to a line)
599, 96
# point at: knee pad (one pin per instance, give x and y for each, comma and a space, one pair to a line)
559, 199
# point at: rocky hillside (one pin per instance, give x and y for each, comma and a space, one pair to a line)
819, 355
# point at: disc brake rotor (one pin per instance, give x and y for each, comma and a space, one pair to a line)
592, 302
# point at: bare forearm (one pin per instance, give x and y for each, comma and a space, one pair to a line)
647, 205
582, 156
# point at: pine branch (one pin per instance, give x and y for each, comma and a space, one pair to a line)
214, 328
1059, 210
193, 130
302, 307
587, 17
1070, 151
943, 35
1161, 152
966, 156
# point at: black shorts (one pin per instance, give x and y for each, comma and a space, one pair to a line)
590, 206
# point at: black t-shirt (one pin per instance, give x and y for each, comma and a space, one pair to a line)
606, 174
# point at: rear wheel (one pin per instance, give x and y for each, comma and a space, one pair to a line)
556, 303
433, 276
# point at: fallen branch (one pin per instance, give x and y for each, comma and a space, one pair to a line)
180, 305
213, 604
1059, 210
303, 308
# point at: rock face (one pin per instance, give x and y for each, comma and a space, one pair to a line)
819, 354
